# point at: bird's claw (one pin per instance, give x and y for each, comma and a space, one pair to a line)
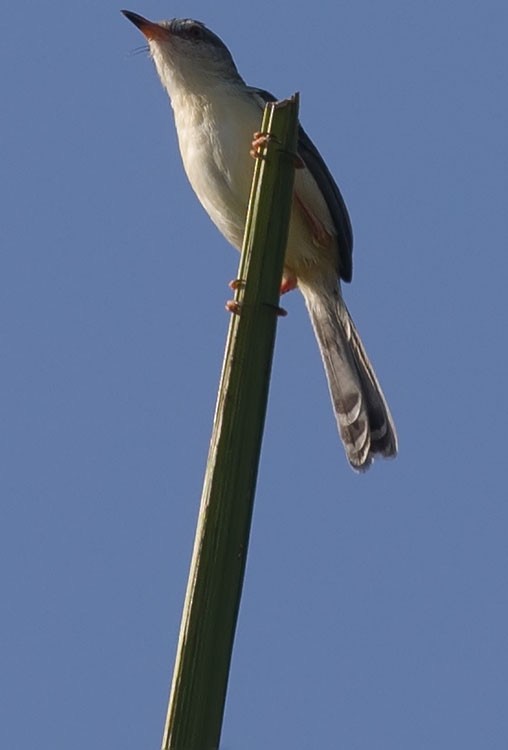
259, 141
280, 312
233, 306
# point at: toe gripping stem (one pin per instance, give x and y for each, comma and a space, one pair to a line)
235, 306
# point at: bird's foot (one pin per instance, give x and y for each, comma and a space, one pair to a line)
259, 141
279, 311
233, 307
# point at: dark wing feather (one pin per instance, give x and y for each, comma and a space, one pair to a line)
331, 193
334, 200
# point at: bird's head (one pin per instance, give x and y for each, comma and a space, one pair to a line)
186, 54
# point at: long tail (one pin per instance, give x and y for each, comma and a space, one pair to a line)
363, 417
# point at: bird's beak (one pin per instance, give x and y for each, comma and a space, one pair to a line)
152, 31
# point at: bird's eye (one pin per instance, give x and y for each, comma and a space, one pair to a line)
195, 33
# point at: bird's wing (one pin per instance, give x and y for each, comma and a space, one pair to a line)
328, 187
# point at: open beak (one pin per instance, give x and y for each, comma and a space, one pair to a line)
151, 30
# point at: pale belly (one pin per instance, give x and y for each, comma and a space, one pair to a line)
215, 152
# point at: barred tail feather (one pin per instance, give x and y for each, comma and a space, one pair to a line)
363, 417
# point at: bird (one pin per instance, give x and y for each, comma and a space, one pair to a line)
216, 116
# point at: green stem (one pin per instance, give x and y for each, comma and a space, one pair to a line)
200, 677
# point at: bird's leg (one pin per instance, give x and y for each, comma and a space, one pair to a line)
280, 312
260, 140
233, 306
289, 282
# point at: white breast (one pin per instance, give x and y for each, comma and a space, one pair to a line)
215, 129
215, 151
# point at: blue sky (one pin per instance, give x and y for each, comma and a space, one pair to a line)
375, 607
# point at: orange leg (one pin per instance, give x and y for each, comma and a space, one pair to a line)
289, 282
260, 140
